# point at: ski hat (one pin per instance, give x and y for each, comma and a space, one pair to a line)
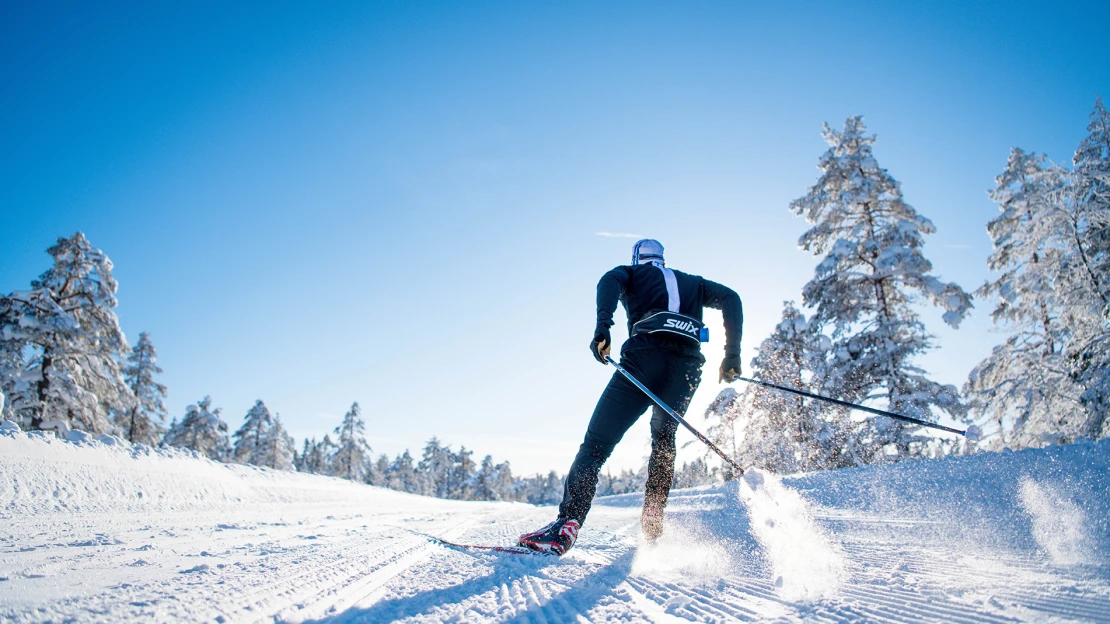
647, 251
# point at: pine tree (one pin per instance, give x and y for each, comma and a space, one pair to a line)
277, 448
69, 343
316, 457
202, 430
787, 433
503, 482
352, 457
145, 421
403, 474
251, 438
379, 472
435, 469
1024, 387
1088, 284
863, 291
461, 475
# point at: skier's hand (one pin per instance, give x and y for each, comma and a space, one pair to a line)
730, 368
601, 343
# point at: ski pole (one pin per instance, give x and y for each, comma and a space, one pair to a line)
674, 415
972, 432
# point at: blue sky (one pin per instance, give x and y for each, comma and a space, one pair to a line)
400, 203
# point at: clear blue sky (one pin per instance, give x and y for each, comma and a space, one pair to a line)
399, 202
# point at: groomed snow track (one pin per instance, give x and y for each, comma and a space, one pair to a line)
108, 533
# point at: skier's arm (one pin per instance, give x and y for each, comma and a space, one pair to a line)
609, 290
728, 302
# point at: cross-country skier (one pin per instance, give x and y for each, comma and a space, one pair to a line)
664, 310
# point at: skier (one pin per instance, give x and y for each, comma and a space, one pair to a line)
664, 310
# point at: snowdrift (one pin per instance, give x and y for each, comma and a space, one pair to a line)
43, 475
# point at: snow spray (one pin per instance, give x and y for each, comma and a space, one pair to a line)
685, 554
806, 564
1059, 525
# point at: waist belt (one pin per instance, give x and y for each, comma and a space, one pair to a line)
672, 323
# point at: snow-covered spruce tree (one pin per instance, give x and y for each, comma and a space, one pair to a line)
145, 422
33, 329
202, 430
695, 473
250, 439
277, 449
403, 475
461, 476
70, 343
787, 433
1088, 283
723, 413
485, 486
316, 458
1024, 387
864, 290
352, 454
435, 469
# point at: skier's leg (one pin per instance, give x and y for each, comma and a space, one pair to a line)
677, 394
618, 408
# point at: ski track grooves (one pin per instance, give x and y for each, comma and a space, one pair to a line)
344, 568
360, 556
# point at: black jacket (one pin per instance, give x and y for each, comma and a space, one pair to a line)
642, 289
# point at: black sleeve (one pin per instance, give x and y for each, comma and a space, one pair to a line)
727, 301
609, 290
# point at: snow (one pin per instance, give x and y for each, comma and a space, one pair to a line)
92, 531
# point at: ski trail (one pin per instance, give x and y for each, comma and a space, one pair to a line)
807, 564
908, 547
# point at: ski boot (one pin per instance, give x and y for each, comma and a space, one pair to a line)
555, 538
651, 521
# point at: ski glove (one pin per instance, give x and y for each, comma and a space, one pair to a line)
601, 343
730, 367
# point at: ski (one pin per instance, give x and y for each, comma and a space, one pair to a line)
514, 550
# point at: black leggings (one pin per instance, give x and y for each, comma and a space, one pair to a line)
673, 378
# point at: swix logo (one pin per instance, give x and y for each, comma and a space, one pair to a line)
685, 326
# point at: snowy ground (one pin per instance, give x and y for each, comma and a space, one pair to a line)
96, 532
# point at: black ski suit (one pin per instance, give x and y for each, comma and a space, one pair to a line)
670, 366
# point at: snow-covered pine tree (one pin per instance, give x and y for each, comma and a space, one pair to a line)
435, 469
461, 476
145, 422
250, 439
1088, 312
787, 433
69, 341
202, 430
694, 473
316, 456
403, 475
277, 447
379, 472
864, 290
1024, 387
542, 489
723, 413
34, 328
352, 455
485, 486
504, 483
